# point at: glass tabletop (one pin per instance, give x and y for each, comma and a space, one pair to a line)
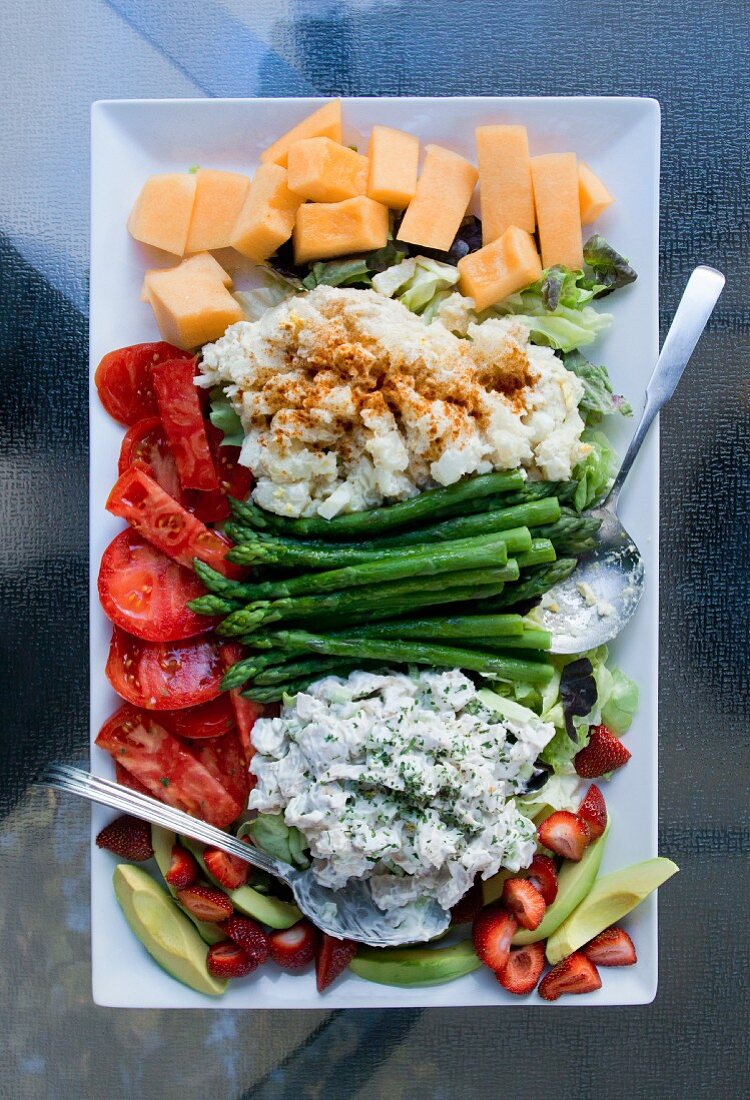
691, 1041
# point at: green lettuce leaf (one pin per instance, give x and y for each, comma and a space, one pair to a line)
417, 282
223, 416
598, 399
619, 697
610, 270
271, 834
596, 473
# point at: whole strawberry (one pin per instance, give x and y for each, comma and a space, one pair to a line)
127, 837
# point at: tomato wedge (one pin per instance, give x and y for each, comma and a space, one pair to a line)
246, 712
125, 779
184, 427
146, 593
234, 480
209, 720
166, 766
150, 511
164, 675
145, 445
224, 759
124, 382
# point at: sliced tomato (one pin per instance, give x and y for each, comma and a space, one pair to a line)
164, 675
166, 766
137, 498
246, 712
234, 480
124, 382
209, 720
125, 779
224, 759
145, 445
184, 427
146, 593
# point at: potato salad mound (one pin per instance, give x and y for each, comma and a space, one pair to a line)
348, 400
408, 780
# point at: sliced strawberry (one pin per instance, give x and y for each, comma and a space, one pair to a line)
612, 947
565, 834
466, 910
183, 870
576, 974
293, 948
128, 837
542, 873
332, 960
524, 901
593, 810
249, 935
523, 968
493, 930
228, 960
231, 872
206, 903
604, 753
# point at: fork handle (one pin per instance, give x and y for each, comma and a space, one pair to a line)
691, 317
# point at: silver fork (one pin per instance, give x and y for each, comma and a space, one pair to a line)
349, 913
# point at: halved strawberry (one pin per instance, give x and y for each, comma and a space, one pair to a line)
228, 960
128, 837
542, 873
565, 834
295, 947
576, 974
524, 901
612, 947
207, 903
493, 930
249, 935
604, 753
593, 810
332, 959
231, 872
183, 870
466, 908
523, 968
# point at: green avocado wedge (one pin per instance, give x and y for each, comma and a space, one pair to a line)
415, 966
163, 929
574, 881
611, 898
162, 841
271, 911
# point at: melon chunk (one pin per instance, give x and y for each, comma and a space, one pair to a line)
443, 193
393, 158
501, 268
505, 192
323, 230
558, 211
218, 200
267, 217
203, 263
191, 302
162, 212
592, 194
325, 122
325, 171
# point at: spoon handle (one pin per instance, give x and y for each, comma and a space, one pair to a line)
696, 305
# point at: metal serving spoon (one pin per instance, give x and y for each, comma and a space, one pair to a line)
349, 913
596, 601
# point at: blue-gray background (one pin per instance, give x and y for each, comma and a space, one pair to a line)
57, 57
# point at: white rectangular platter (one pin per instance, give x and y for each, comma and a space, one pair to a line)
619, 138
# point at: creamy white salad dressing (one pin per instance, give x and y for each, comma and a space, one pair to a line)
408, 780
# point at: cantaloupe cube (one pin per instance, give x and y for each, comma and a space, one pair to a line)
162, 212
192, 304
267, 217
506, 196
500, 268
592, 194
326, 229
325, 171
203, 263
325, 122
558, 211
218, 200
393, 158
443, 193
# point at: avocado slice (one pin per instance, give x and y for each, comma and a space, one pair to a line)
271, 911
611, 898
162, 841
163, 929
415, 966
573, 884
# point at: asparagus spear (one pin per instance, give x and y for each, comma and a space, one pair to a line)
572, 534
274, 693
430, 504
534, 583
531, 514
465, 626
310, 668
540, 551
530, 639
213, 605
